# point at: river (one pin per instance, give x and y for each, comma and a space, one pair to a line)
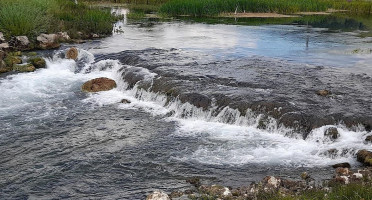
57, 142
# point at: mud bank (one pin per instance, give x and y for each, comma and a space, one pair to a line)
265, 88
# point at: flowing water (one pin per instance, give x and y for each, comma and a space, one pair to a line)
57, 142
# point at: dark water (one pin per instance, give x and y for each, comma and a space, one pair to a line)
57, 142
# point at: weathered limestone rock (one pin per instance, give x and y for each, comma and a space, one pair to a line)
271, 181
158, 195
48, 41
4, 46
72, 53
20, 43
63, 37
38, 62
332, 133
342, 171
365, 157
24, 68
99, 84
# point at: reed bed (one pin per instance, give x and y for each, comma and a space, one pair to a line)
215, 7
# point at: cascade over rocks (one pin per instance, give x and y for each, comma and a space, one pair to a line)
98, 84
332, 133
248, 86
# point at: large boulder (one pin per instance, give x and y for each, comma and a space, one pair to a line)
20, 43
72, 53
158, 195
24, 68
48, 41
365, 157
38, 62
2, 38
99, 84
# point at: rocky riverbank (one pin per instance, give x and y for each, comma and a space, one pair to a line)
345, 184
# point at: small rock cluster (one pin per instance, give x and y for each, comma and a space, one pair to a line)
14, 61
43, 41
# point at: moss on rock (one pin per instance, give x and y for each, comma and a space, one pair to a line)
12, 60
24, 68
38, 62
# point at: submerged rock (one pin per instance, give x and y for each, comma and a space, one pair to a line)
343, 165
99, 84
368, 139
20, 43
365, 157
48, 41
323, 93
38, 62
158, 195
332, 133
125, 101
24, 68
72, 53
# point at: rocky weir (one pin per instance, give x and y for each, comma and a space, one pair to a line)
270, 94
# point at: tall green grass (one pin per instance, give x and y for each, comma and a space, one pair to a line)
32, 17
214, 7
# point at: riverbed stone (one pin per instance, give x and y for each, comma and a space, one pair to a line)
271, 182
323, 93
48, 41
364, 156
24, 68
38, 62
99, 84
342, 171
20, 43
72, 53
158, 195
332, 133
216, 190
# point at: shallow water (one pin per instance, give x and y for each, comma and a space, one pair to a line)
58, 142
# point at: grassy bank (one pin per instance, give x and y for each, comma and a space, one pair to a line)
215, 7
32, 17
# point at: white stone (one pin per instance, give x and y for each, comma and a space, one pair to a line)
227, 192
358, 175
2, 38
346, 179
158, 195
4, 46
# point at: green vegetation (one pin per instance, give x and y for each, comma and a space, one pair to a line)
215, 7
32, 17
